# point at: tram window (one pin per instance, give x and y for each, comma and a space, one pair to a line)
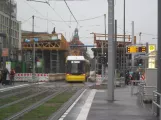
75, 67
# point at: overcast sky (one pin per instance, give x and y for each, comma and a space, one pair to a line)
142, 12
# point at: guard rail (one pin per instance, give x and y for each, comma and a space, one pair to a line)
155, 104
145, 93
120, 82
135, 83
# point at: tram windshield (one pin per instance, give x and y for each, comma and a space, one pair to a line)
75, 67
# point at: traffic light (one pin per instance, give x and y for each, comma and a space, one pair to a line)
1, 59
143, 49
140, 49
95, 54
128, 49
103, 60
140, 61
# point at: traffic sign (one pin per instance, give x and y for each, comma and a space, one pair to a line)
36, 39
136, 49
27, 40
152, 47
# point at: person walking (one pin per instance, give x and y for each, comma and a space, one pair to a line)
12, 75
5, 72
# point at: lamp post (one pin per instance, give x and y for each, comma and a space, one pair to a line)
124, 46
33, 72
159, 58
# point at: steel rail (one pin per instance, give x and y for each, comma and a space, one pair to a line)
35, 105
25, 98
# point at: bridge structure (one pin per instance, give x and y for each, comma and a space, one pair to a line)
99, 42
51, 50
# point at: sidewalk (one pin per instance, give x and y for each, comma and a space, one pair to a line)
125, 107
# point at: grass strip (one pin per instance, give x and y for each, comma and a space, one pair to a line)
13, 109
14, 98
48, 108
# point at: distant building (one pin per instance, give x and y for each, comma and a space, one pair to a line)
5, 26
77, 46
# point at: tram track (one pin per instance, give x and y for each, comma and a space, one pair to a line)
19, 107
14, 94
25, 98
12, 90
35, 105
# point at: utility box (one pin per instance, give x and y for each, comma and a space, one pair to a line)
151, 76
151, 82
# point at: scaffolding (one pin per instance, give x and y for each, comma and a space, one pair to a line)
99, 40
51, 48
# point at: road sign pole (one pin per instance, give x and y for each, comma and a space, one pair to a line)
110, 85
33, 72
102, 62
132, 43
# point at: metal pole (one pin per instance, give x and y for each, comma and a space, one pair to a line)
140, 38
9, 42
146, 60
33, 75
132, 43
103, 68
105, 75
115, 46
105, 26
111, 70
159, 55
124, 48
102, 63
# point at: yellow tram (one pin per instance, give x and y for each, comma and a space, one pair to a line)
77, 69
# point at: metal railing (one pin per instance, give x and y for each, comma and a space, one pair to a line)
155, 105
120, 82
145, 93
135, 82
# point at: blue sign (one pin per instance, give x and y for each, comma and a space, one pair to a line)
27, 40
82, 46
36, 39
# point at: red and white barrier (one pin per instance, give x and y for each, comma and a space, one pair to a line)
41, 77
98, 79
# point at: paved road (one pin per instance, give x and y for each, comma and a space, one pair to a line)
125, 107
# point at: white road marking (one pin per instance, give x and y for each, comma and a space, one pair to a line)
86, 107
17, 86
70, 108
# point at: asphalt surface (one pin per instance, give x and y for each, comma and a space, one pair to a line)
125, 107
